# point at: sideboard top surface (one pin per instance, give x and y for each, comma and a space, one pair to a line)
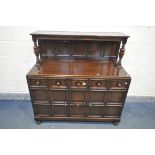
79, 68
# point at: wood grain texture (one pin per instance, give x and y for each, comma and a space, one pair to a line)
79, 78
86, 68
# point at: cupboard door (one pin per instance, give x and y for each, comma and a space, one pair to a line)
96, 109
77, 108
39, 95
113, 111
116, 97
78, 95
97, 96
59, 109
58, 95
42, 110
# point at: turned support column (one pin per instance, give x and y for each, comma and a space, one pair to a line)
121, 53
36, 52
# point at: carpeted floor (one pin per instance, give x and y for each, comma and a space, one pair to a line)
18, 114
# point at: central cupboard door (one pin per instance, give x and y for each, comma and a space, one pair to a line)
78, 109
78, 98
78, 95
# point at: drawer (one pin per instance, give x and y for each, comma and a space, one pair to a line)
57, 83
119, 84
98, 84
38, 82
79, 83
113, 111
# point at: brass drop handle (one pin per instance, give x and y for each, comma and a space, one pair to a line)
84, 83
37, 83
98, 84
58, 83
78, 83
126, 83
119, 84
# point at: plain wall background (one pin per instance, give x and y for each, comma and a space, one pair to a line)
61, 13
17, 57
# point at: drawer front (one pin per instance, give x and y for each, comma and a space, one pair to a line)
119, 84
57, 83
79, 83
38, 82
42, 110
98, 84
113, 111
116, 97
58, 95
77, 108
96, 109
59, 109
39, 95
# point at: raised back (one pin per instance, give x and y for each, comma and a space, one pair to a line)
77, 45
50, 49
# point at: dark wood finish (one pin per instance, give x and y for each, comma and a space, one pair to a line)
78, 76
36, 52
121, 53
